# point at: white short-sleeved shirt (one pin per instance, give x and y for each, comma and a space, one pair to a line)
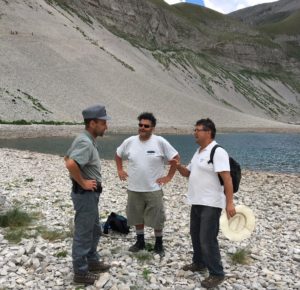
146, 161
204, 185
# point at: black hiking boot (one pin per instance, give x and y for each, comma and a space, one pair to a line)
139, 245
98, 267
212, 281
85, 278
158, 247
194, 268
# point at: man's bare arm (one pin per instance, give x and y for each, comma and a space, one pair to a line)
182, 169
121, 173
171, 173
228, 189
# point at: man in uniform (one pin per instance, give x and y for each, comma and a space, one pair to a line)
83, 162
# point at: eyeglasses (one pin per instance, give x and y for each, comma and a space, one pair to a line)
200, 130
144, 125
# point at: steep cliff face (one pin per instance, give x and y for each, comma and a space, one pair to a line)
236, 46
279, 20
145, 23
155, 25
182, 62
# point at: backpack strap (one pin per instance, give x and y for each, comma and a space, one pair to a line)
212, 154
211, 160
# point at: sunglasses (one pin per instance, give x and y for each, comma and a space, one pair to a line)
144, 125
200, 130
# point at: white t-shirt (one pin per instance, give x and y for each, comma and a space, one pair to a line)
204, 185
146, 161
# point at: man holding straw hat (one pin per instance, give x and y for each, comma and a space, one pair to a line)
207, 198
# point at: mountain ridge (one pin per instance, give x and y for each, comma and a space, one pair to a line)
267, 12
57, 57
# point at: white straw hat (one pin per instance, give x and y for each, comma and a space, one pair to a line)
240, 226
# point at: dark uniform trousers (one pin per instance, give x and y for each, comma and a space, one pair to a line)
86, 231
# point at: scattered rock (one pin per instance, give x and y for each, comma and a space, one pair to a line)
36, 263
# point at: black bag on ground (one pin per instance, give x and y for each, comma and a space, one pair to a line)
235, 170
117, 223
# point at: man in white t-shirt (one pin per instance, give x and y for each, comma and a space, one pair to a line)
207, 198
147, 155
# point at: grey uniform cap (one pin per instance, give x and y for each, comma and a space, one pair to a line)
95, 112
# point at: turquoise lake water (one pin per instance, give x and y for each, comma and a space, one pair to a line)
255, 151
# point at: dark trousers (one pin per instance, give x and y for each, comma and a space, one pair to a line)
204, 229
86, 231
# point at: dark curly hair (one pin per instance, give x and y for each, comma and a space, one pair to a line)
148, 116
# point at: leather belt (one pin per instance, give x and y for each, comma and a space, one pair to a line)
76, 188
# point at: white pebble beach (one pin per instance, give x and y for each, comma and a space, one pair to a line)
37, 182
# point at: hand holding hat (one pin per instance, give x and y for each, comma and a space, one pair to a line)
240, 226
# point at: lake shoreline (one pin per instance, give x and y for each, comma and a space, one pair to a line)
34, 131
254, 151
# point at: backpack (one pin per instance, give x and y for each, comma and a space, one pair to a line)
235, 170
117, 223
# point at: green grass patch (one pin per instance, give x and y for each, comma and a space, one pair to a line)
241, 256
66, 7
135, 40
199, 16
289, 25
146, 273
16, 122
204, 69
293, 49
61, 254
18, 223
285, 77
35, 102
53, 235
43, 122
143, 256
149, 247
14, 235
15, 218
162, 58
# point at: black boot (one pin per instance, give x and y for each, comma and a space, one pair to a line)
85, 278
158, 247
139, 245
